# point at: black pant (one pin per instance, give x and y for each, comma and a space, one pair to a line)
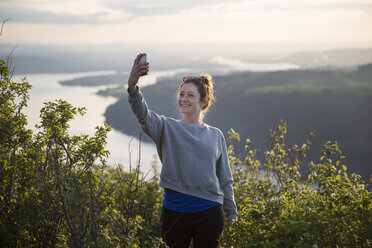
177, 229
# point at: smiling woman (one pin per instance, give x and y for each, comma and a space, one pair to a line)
196, 174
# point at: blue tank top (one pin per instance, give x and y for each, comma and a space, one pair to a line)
184, 203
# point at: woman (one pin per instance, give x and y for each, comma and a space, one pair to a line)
195, 173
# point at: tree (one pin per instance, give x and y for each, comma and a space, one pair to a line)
56, 189
14, 142
278, 209
138, 203
52, 190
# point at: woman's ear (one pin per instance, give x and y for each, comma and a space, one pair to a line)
204, 103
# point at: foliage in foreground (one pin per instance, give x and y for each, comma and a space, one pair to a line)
56, 189
279, 209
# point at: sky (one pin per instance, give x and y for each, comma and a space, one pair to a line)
346, 23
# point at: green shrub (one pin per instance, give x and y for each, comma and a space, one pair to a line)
278, 209
56, 189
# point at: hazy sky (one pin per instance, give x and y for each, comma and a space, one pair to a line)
74, 22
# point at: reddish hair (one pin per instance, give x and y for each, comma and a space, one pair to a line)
204, 84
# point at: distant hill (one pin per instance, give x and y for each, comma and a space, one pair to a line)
64, 59
26, 59
331, 58
336, 104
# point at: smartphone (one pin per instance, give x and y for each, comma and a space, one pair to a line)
143, 60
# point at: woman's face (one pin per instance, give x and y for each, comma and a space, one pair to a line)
189, 100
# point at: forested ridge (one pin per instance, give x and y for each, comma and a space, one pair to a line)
335, 104
57, 190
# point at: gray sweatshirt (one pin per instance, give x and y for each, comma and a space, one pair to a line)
194, 156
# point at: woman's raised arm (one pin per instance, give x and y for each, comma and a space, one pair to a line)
138, 70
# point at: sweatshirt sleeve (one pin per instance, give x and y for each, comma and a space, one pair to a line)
226, 180
151, 123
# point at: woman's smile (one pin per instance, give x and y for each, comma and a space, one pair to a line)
189, 100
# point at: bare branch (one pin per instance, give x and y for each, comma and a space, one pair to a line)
2, 25
9, 62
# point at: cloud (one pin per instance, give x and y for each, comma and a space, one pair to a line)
305, 5
48, 17
61, 12
119, 11
151, 7
94, 11
363, 6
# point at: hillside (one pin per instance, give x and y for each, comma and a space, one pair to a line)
337, 105
331, 58
27, 59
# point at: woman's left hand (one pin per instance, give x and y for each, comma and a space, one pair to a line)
137, 71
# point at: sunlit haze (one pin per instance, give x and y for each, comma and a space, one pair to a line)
326, 23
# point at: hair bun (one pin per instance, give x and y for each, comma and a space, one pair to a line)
207, 79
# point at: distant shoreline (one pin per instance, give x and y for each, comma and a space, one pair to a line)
325, 101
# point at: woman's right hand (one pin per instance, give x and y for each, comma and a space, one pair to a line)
137, 71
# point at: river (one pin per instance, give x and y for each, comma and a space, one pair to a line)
46, 87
